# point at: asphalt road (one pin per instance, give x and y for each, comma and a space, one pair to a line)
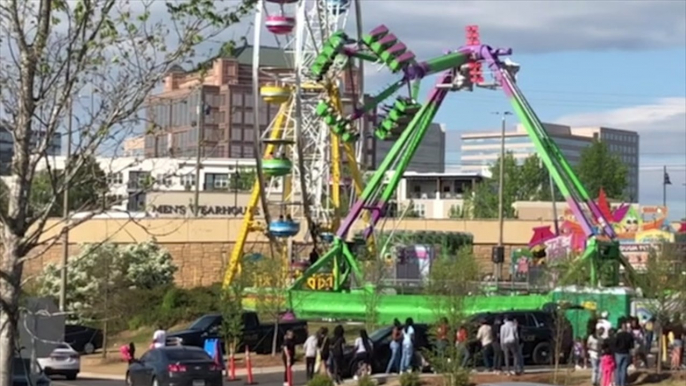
261, 379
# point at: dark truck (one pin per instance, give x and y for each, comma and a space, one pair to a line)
257, 336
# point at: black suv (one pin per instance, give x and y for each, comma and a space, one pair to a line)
539, 332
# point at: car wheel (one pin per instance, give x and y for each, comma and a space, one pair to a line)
71, 376
89, 348
541, 354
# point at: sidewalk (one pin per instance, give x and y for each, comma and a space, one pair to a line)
241, 372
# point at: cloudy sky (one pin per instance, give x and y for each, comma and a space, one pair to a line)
616, 63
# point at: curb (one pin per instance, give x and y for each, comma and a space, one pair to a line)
239, 372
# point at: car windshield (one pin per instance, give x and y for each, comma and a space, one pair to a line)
185, 355
380, 334
202, 323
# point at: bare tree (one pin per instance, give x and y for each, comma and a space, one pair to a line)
53, 52
271, 280
375, 272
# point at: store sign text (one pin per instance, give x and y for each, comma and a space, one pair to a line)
205, 210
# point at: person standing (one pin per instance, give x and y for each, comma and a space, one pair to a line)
485, 337
608, 366
497, 348
462, 345
395, 345
288, 356
593, 345
363, 354
623, 344
604, 323
159, 337
509, 341
408, 346
337, 354
323, 351
442, 337
310, 349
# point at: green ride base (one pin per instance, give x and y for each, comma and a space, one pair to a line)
352, 305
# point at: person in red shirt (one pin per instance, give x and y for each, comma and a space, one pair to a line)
442, 336
462, 345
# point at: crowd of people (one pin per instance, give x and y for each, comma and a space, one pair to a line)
613, 352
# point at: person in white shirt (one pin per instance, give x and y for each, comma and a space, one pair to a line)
363, 354
159, 338
593, 345
310, 348
485, 336
605, 324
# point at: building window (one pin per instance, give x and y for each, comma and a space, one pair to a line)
236, 134
163, 179
188, 180
221, 181
115, 178
235, 151
236, 99
248, 151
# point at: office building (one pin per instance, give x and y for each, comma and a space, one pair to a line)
429, 157
134, 146
54, 146
480, 150
229, 104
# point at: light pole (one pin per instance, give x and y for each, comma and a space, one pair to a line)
665, 181
499, 253
200, 144
65, 213
236, 175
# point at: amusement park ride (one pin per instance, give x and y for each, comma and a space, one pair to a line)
311, 124
300, 175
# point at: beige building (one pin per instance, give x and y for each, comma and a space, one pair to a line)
134, 146
482, 149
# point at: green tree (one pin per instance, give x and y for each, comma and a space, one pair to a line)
601, 169
115, 51
87, 190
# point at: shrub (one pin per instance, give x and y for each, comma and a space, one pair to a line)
457, 378
320, 380
410, 379
366, 381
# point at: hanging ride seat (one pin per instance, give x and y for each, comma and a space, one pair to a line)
275, 94
277, 167
284, 228
280, 25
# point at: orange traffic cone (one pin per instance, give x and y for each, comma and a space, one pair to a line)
232, 368
248, 367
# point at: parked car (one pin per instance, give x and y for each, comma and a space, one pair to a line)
83, 339
63, 360
539, 334
381, 340
257, 336
23, 376
174, 365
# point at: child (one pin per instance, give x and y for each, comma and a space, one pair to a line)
607, 365
579, 354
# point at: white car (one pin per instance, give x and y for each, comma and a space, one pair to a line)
63, 360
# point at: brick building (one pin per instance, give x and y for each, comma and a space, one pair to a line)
229, 104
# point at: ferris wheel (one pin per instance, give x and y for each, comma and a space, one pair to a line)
299, 165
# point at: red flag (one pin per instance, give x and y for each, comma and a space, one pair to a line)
603, 205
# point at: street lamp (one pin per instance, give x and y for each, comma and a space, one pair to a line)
499, 253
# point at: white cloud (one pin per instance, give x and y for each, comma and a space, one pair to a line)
534, 26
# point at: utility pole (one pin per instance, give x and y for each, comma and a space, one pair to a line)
236, 175
200, 146
500, 252
65, 213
